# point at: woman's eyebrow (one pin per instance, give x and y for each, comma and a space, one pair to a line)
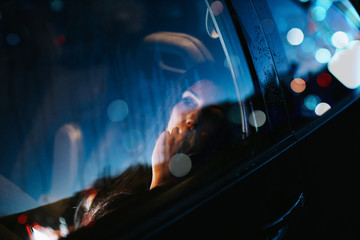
192, 93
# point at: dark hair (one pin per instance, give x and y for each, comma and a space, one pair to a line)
110, 192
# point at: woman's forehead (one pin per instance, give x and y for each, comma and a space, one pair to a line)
203, 87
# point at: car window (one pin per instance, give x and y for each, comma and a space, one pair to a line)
125, 94
320, 40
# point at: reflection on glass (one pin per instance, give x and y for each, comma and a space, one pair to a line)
295, 36
321, 45
112, 99
344, 65
322, 108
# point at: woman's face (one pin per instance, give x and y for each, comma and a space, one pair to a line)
185, 112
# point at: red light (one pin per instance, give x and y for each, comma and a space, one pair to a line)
22, 219
59, 40
324, 80
28, 230
90, 224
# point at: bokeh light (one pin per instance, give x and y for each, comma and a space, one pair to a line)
22, 219
57, 5
13, 39
234, 115
311, 101
308, 45
268, 25
295, 36
340, 39
132, 140
318, 13
180, 165
59, 40
322, 108
117, 110
345, 65
217, 8
282, 24
214, 34
323, 55
298, 85
257, 118
323, 80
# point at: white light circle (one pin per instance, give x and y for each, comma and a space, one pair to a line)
322, 108
323, 55
340, 39
257, 118
295, 36
180, 165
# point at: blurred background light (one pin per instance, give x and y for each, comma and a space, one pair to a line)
323, 80
57, 5
268, 25
257, 118
117, 110
13, 39
322, 108
22, 219
326, 4
345, 65
308, 45
217, 8
282, 24
311, 101
340, 39
323, 55
59, 40
180, 165
318, 13
295, 36
234, 115
298, 85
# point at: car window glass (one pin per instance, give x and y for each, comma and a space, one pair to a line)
321, 43
92, 90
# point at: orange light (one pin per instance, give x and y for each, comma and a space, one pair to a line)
298, 85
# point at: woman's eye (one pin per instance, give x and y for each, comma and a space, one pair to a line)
189, 102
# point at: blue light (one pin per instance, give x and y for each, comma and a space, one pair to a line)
323, 55
117, 110
311, 101
308, 45
318, 13
13, 39
282, 24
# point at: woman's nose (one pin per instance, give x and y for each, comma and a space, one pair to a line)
190, 123
191, 119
